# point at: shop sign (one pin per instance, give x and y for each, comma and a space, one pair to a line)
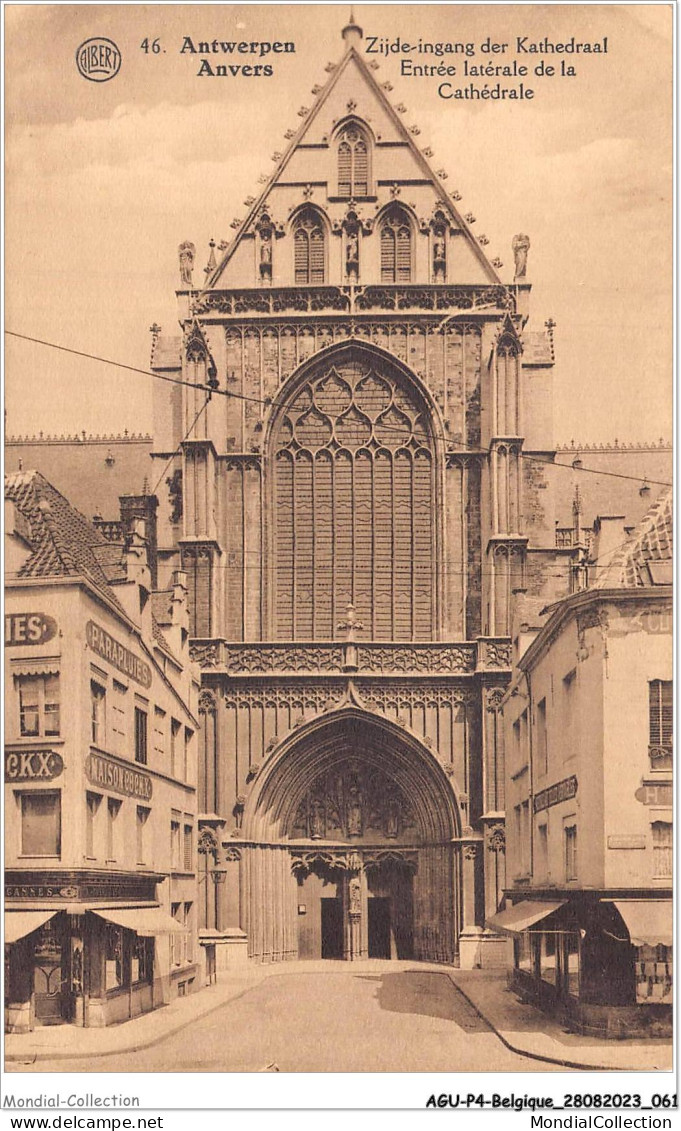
653, 794
28, 628
33, 765
122, 658
562, 791
40, 891
627, 840
121, 779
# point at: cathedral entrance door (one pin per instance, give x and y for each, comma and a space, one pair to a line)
379, 927
332, 928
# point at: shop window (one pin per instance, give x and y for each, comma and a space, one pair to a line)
571, 961
92, 805
118, 717
396, 247
41, 823
140, 735
654, 974
97, 714
113, 808
142, 818
39, 713
160, 734
549, 958
522, 952
661, 713
175, 728
570, 842
175, 845
663, 849
142, 960
187, 854
309, 249
114, 976
542, 738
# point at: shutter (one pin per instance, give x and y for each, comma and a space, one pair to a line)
403, 255
344, 169
387, 256
316, 274
655, 713
361, 170
301, 256
667, 712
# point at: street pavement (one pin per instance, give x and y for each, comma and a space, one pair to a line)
344, 1020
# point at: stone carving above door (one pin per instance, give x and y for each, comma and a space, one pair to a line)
353, 802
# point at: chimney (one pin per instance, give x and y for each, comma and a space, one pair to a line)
142, 507
610, 535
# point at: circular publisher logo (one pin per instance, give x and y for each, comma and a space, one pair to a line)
98, 59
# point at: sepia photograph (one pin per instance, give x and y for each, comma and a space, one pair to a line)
338, 665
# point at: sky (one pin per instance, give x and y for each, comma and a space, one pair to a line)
105, 180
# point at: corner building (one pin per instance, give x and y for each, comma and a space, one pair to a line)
353, 514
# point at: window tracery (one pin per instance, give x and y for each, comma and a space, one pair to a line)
396, 247
353, 508
309, 245
353, 162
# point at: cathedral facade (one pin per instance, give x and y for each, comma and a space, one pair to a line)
357, 491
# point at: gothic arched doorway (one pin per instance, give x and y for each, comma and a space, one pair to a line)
351, 846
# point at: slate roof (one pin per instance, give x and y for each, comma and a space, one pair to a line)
64, 544
646, 558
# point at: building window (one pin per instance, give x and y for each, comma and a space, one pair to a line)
175, 844
188, 735
114, 957
39, 714
189, 948
309, 249
661, 708
353, 163
118, 714
113, 807
187, 854
542, 738
396, 247
355, 483
140, 735
663, 848
177, 938
142, 818
97, 714
570, 835
160, 734
542, 853
41, 823
92, 804
175, 728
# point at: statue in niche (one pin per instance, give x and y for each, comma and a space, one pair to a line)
186, 251
392, 817
438, 249
266, 249
354, 811
352, 248
521, 246
355, 896
316, 819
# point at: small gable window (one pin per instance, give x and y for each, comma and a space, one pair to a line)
353, 163
396, 248
309, 249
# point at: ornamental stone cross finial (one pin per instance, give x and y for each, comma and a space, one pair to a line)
155, 329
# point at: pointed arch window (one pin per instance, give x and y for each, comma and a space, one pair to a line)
353, 162
396, 248
354, 513
309, 249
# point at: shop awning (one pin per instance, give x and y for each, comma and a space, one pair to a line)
18, 924
514, 920
649, 921
146, 921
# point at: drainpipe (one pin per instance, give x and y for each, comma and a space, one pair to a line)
530, 745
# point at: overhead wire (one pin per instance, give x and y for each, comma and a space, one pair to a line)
271, 402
